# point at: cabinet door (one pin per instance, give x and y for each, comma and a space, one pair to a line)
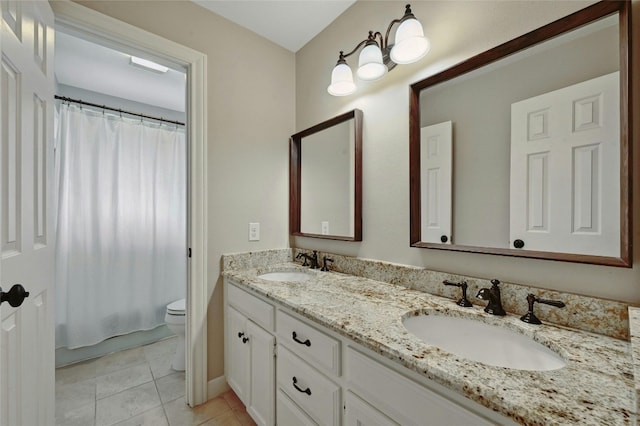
359, 413
262, 387
237, 341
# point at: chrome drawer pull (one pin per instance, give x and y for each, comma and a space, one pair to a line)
306, 342
307, 390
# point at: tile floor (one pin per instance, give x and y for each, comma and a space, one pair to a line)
137, 387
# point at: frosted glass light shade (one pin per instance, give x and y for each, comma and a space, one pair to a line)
411, 44
370, 64
341, 81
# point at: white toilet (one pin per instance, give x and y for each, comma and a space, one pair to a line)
175, 319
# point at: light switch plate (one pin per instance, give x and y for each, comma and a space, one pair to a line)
254, 231
324, 227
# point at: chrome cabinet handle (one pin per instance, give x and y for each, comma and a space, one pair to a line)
306, 342
307, 390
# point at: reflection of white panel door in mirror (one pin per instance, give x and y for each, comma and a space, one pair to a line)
436, 167
565, 172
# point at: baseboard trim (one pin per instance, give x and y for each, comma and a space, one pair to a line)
217, 387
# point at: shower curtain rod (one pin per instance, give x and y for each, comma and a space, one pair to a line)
121, 111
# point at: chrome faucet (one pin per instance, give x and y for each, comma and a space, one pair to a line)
313, 259
492, 295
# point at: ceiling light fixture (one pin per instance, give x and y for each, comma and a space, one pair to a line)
148, 65
378, 58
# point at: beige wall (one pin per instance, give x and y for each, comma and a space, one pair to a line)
457, 30
250, 118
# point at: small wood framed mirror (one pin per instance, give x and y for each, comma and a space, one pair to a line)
325, 179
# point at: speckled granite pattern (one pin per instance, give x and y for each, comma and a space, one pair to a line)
595, 388
634, 331
600, 316
255, 259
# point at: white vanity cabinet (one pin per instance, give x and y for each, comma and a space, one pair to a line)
249, 353
323, 378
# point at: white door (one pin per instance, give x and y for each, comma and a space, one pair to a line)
565, 174
436, 161
27, 332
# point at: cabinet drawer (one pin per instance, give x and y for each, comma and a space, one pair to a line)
259, 311
312, 391
309, 343
400, 398
289, 414
359, 413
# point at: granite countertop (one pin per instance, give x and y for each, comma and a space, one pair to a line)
596, 387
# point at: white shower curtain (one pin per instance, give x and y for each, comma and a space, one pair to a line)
121, 224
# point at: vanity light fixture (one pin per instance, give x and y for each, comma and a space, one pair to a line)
376, 58
148, 65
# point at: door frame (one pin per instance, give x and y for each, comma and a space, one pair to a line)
107, 30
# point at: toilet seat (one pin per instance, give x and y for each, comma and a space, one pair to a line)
177, 308
175, 319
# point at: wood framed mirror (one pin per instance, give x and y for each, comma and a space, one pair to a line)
524, 149
325, 179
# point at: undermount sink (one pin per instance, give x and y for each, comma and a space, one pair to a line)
485, 343
286, 276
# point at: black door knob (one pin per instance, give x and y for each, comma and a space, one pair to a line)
15, 296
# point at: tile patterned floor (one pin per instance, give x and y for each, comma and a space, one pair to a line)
137, 387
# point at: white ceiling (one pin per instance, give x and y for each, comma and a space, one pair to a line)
86, 65
289, 23
89, 66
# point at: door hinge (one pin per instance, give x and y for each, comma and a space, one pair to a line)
275, 350
189, 252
